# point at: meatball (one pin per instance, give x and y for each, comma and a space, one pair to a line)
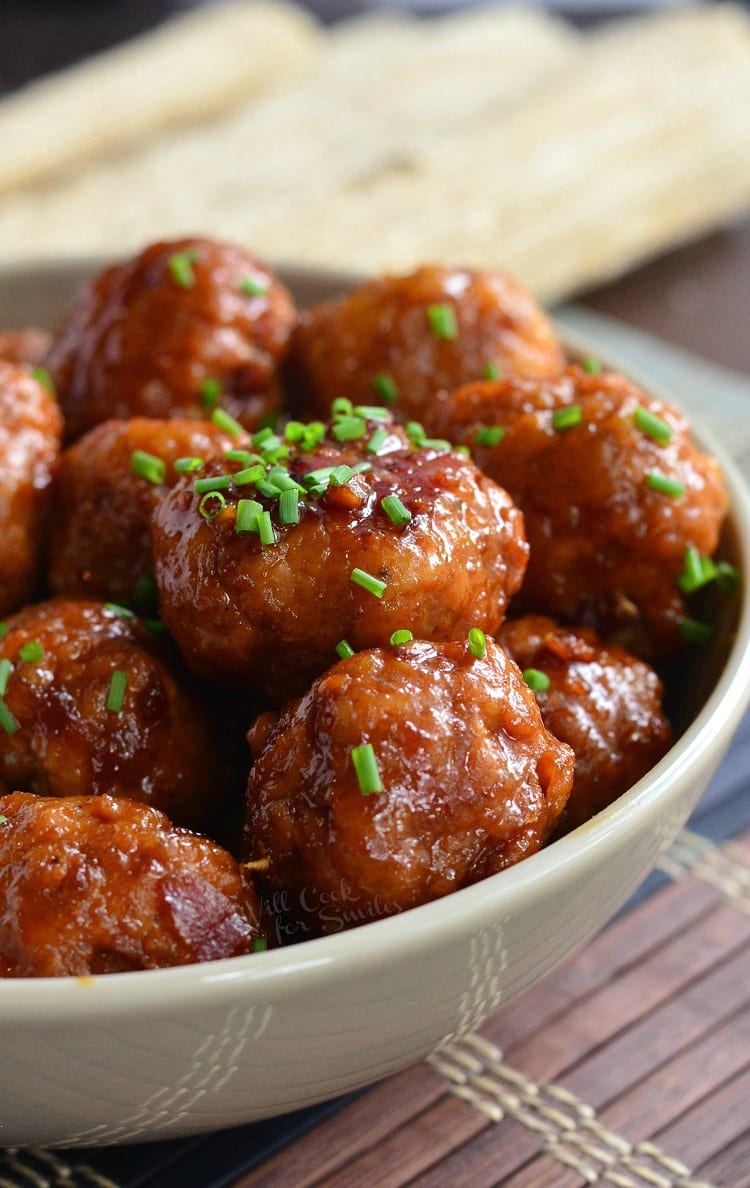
419, 540
463, 781
171, 332
613, 492
92, 884
70, 725
30, 432
24, 346
599, 700
105, 493
403, 339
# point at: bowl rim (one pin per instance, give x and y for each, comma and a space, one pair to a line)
398, 937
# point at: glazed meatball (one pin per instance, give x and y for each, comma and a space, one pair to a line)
171, 332
25, 346
599, 700
105, 493
463, 780
419, 540
92, 884
613, 492
30, 432
71, 726
400, 340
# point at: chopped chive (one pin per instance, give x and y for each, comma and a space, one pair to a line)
243, 457
265, 529
3, 819
267, 488
248, 511
491, 371
591, 365
437, 443
693, 631
122, 612
416, 434
283, 479
366, 769
344, 649
155, 626
217, 482
294, 431
698, 571
116, 694
442, 319
349, 429
31, 652
181, 267
212, 505
222, 420
188, 465
148, 466
3, 630
665, 485
537, 680
7, 721
260, 944
371, 412
342, 407
372, 584
463, 450
727, 576
263, 435
276, 454
340, 476
362, 467
397, 513
490, 435
210, 391
289, 507
251, 474
315, 431
43, 377
653, 426
6, 668
253, 287
386, 387
377, 441
314, 478
404, 636
477, 643
567, 418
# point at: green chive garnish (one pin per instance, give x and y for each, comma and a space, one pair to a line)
653, 426
463, 450
567, 418
349, 429
7, 721
3, 630
43, 377
366, 768
362, 467
265, 529
377, 441
116, 694
181, 267
386, 387
6, 668
397, 513
491, 371
267, 488
344, 649
212, 505
340, 476
3, 819
250, 474
260, 944
253, 287
591, 365
416, 434
727, 576
248, 511
289, 507
477, 643
665, 485
243, 457
217, 482
188, 465
442, 319
490, 435
315, 478
403, 636
371, 412
537, 680
698, 571
294, 431
210, 391
693, 631
372, 584
342, 407
122, 612
222, 420
148, 466
31, 652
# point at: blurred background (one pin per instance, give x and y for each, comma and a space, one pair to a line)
597, 149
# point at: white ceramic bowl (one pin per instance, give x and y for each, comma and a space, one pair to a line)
150, 1055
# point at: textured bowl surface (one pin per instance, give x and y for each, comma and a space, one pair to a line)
152, 1055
